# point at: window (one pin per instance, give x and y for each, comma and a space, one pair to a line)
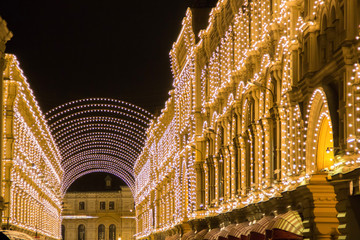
249, 138
221, 164
112, 232
102, 205
81, 205
101, 232
111, 205
81, 232
237, 154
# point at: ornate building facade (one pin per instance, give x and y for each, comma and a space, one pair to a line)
107, 215
262, 128
31, 173
5, 35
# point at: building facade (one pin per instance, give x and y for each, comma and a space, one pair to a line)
107, 215
263, 125
31, 173
5, 35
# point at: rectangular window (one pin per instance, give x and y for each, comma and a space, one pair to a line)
111, 205
81, 205
102, 205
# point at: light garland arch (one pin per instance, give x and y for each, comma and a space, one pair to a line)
317, 111
99, 135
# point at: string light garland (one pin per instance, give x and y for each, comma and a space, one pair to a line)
31, 171
98, 135
245, 41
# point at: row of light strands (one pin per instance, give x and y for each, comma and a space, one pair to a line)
220, 73
98, 135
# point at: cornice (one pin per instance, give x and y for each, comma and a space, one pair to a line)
183, 46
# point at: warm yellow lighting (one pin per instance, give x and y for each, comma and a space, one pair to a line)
31, 160
256, 140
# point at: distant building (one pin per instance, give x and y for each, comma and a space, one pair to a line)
261, 132
99, 215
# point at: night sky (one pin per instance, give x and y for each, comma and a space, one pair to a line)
97, 183
76, 49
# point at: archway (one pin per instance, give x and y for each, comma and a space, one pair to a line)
320, 142
98, 135
325, 149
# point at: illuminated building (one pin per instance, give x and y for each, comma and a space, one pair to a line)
100, 215
5, 35
262, 127
31, 173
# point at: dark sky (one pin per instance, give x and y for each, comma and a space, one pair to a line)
97, 183
75, 49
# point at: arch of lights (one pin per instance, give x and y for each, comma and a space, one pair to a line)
98, 135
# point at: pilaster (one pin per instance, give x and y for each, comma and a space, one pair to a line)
319, 208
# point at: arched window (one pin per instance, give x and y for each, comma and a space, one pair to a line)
334, 28
237, 154
112, 232
221, 163
249, 146
81, 232
248, 161
306, 8
209, 152
101, 232
322, 41
211, 179
250, 20
63, 232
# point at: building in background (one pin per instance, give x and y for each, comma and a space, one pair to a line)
261, 133
100, 215
31, 173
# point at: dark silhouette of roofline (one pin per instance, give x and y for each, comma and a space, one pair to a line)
202, 3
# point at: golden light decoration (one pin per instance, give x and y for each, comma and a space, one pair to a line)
264, 42
31, 160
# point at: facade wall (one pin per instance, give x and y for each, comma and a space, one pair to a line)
92, 216
31, 171
5, 35
265, 118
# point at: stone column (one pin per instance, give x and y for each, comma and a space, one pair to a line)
319, 208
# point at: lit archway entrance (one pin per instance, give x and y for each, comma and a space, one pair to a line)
319, 137
325, 149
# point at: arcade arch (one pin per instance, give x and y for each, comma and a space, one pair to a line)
320, 141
